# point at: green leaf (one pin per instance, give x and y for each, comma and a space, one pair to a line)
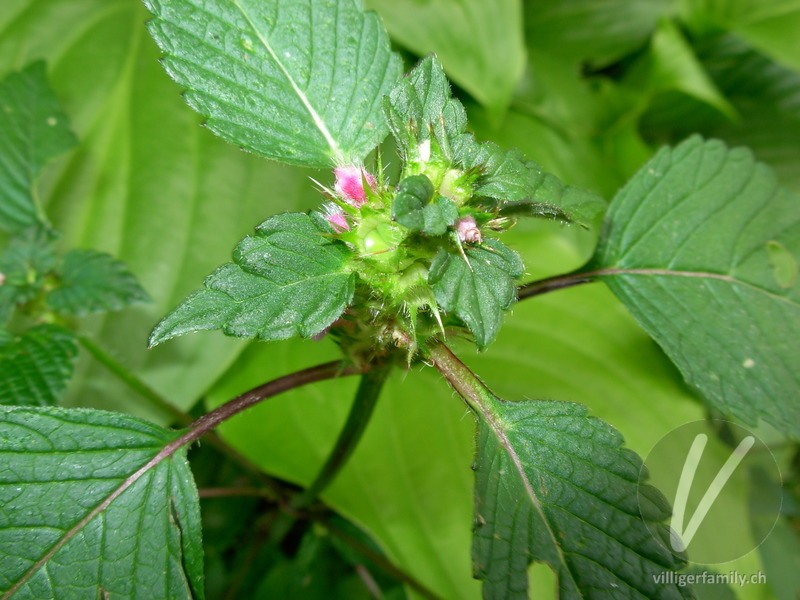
92, 281
479, 288
554, 485
95, 502
671, 65
36, 366
33, 130
771, 27
300, 82
595, 31
479, 43
413, 195
421, 108
288, 279
412, 207
523, 188
28, 257
688, 249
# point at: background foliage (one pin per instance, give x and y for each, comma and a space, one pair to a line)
588, 88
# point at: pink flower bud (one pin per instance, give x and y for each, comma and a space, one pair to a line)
338, 222
350, 184
467, 230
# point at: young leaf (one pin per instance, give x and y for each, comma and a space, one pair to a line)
27, 258
36, 366
553, 485
33, 130
421, 110
288, 279
702, 246
521, 187
479, 288
95, 504
300, 82
92, 281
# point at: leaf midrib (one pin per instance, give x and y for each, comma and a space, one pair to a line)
611, 272
338, 157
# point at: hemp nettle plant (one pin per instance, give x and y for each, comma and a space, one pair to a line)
403, 260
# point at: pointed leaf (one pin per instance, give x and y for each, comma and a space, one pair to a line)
92, 281
702, 245
33, 130
300, 82
289, 279
95, 503
554, 485
477, 291
36, 366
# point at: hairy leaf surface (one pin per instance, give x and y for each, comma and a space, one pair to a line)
90, 507
33, 130
288, 279
479, 288
36, 366
92, 281
300, 82
554, 485
702, 245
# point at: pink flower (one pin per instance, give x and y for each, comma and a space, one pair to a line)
338, 222
350, 184
467, 230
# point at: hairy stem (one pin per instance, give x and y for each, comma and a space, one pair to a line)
461, 378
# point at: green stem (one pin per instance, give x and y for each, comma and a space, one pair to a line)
133, 382
369, 390
461, 378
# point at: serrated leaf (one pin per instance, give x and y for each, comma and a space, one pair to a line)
477, 291
91, 281
36, 366
689, 248
421, 108
300, 82
95, 503
554, 485
33, 130
522, 187
439, 215
289, 279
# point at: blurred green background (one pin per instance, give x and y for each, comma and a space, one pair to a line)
588, 88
